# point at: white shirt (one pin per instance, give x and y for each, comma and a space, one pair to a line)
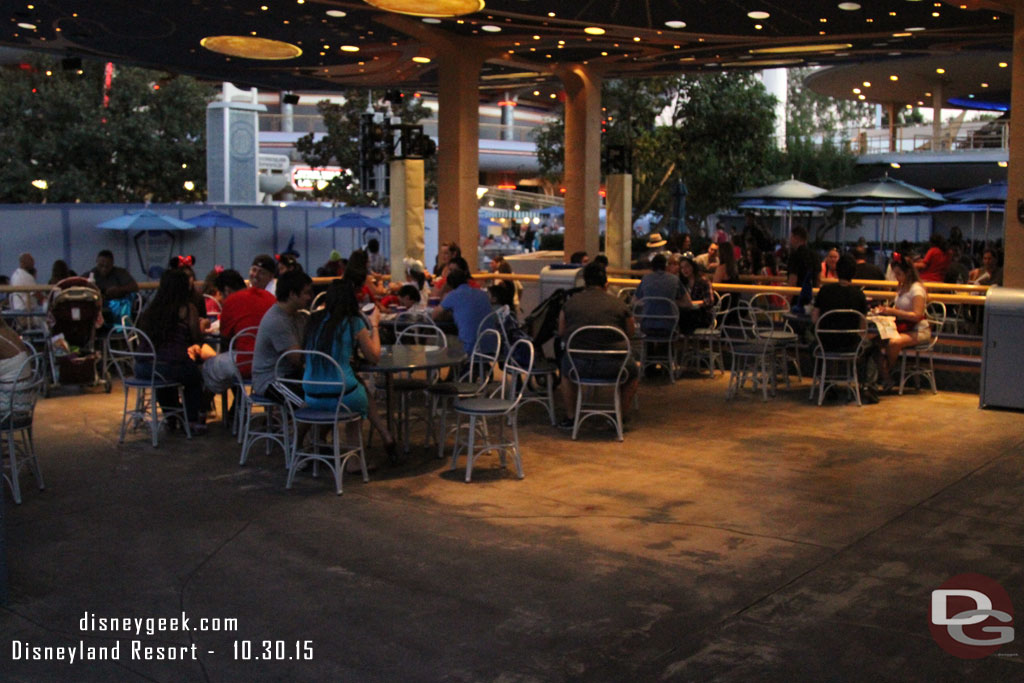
22, 301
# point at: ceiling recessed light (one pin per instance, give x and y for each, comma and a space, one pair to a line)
594, 30
421, 60
431, 20
349, 48
490, 28
912, 29
536, 93
894, 77
675, 24
849, 6
436, 8
984, 85
902, 35
1002, 164
1003, 65
336, 13
894, 164
758, 15
861, 97
27, 26
856, 91
866, 84
940, 70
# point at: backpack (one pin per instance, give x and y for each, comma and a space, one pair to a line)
542, 322
511, 332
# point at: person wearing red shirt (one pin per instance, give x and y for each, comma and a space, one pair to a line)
243, 307
933, 267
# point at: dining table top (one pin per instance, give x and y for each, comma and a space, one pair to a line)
406, 357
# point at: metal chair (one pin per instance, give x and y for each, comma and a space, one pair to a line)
145, 410
504, 405
473, 382
540, 386
657, 331
749, 355
259, 418
840, 338
704, 345
597, 360
243, 384
936, 312
318, 301
767, 309
406, 386
17, 409
318, 419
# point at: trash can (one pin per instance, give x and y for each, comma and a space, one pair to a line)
560, 276
1002, 373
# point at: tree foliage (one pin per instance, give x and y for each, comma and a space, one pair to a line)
143, 146
717, 139
340, 145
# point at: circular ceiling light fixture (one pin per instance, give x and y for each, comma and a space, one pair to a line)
594, 30
675, 24
758, 15
421, 60
431, 20
490, 28
349, 48
249, 47
27, 26
429, 8
849, 6
337, 13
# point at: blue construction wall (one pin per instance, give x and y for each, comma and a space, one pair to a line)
69, 232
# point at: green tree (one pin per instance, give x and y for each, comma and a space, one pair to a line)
340, 145
143, 145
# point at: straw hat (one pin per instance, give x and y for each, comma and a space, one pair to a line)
655, 240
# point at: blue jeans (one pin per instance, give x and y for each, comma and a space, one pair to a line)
184, 372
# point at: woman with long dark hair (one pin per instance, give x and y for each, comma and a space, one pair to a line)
338, 330
699, 290
171, 321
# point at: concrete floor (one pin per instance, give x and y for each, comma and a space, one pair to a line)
721, 541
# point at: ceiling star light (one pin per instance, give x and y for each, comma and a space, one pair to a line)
490, 28
249, 47
594, 30
27, 26
337, 13
894, 77
675, 24
758, 15
431, 20
349, 48
849, 6
429, 8
790, 49
1003, 65
940, 70
421, 60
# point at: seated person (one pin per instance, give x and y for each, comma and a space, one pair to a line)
990, 273
595, 306
116, 286
281, 329
841, 295
466, 305
338, 330
171, 321
910, 311
243, 307
662, 284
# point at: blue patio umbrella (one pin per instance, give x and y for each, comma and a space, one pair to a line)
992, 195
145, 220
886, 191
552, 211
351, 220
218, 219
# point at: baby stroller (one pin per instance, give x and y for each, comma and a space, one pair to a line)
75, 313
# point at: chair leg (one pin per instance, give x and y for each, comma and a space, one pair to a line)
154, 424
579, 409
124, 415
458, 438
618, 412
470, 452
339, 467
516, 454
903, 371
550, 390
12, 456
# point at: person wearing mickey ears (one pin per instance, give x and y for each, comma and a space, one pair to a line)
910, 311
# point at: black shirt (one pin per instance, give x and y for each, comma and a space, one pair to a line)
832, 297
868, 271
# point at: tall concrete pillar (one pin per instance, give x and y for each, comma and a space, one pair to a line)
937, 142
582, 157
508, 118
619, 229
407, 201
1013, 241
890, 108
458, 150
232, 147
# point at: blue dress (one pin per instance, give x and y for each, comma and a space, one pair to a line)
325, 396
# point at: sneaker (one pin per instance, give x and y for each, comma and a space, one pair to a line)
566, 423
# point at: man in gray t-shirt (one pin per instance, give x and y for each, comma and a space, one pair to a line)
281, 328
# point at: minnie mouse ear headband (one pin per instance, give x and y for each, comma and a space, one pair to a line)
181, 261
900, 260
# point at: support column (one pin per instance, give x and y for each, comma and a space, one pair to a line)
582, 158
619, 229
458, 151
938, 144
406, 214
891, 109
508, 117
1013, 241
